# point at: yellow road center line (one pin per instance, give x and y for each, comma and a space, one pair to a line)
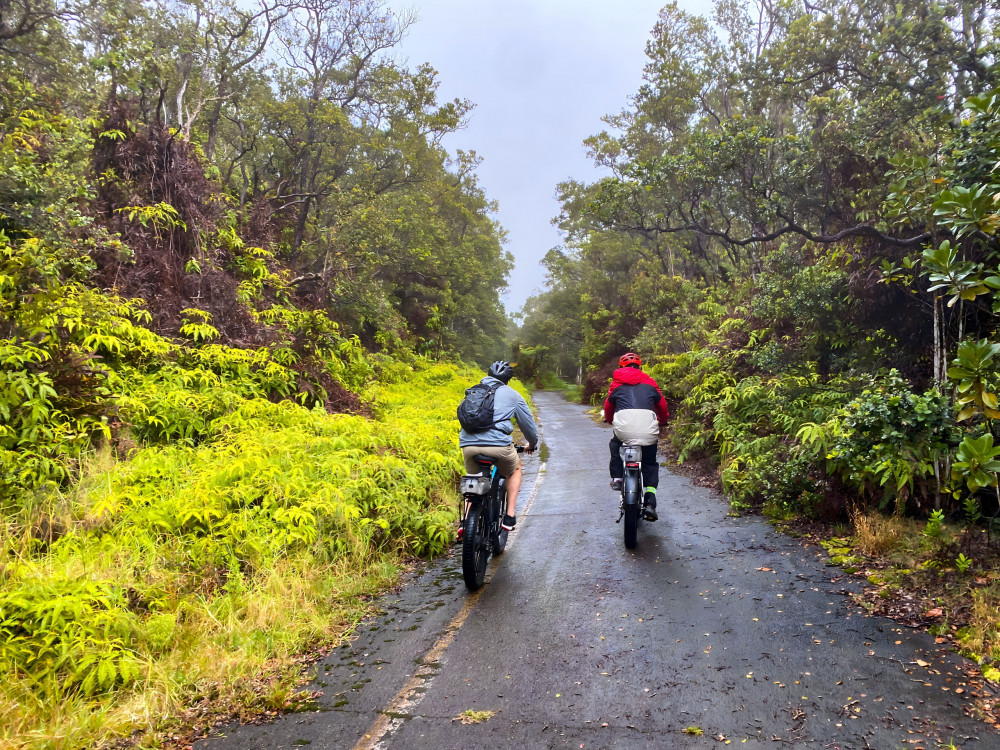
409, 697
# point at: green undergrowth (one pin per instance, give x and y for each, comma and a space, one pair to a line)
790, 435
80, 366
550, 382
189, 570
934, 573
190, 500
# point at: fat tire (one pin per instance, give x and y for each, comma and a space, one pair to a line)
630, 525
500, 542
475, 548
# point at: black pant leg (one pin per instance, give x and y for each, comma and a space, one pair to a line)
650, 466
617, 467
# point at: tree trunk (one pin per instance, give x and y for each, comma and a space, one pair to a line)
300, 223
938, 353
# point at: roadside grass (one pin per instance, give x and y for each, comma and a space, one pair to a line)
191, 582
227, 661
938, 576
876, 535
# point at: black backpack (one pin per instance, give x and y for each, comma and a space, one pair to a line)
475, 413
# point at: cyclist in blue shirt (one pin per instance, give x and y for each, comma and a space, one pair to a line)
496, 441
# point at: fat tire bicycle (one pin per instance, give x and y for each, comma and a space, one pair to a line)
632, 505
482, 538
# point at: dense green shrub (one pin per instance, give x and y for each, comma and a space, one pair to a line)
74, 630
777, 437
187, 535
887, 441
77, 361
754, 428
695, 381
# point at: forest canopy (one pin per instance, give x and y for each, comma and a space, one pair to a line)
798, 231
290, 126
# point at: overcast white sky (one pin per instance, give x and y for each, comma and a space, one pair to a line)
541, 73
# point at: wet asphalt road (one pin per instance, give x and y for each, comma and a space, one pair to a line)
712, 622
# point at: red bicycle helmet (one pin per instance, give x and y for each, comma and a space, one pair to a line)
631, 358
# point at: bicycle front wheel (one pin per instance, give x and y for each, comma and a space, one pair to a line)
500, 537
475, 552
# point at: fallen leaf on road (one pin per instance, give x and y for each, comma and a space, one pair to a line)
471, 716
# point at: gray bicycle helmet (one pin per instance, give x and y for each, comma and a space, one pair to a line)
501, 371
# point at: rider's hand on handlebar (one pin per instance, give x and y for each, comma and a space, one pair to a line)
529, 448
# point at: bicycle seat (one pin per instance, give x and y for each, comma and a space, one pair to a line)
482, 460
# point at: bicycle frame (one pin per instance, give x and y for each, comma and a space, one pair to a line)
492, 498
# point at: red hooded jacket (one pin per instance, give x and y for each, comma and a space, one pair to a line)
631, 388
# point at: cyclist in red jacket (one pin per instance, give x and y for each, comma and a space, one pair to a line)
636, 409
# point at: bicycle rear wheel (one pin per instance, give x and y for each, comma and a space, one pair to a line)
631, 524
631, 491
475, 552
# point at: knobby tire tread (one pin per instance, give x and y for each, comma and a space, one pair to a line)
475, 548
631, 524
